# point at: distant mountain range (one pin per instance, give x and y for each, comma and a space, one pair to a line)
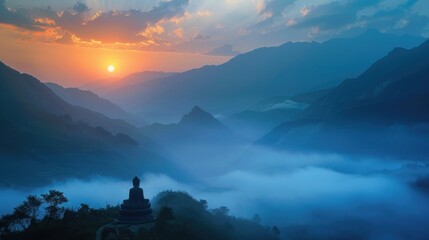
197, 125
264, 115
45, 138
198, 141
384, 111
396, 87
105, 87
289, 69
88, 99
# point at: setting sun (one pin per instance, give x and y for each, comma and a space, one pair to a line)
111, 68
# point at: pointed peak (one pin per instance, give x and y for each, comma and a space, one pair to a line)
198, 116
198, 112
197, 109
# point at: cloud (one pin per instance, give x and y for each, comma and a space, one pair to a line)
16, 17
180, 33
381, 15
244, 24
129, 26
323, 19
66, 38
319, 200
276, 7
204, 13
200, 36
80, 7
260, 6
94, 191
225, 50
120, 26
308, 196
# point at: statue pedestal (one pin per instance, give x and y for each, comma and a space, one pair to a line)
117, 231
135, 212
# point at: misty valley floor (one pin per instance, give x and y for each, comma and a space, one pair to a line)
307, 195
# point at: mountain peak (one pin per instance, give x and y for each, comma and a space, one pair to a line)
197, 110
198, 116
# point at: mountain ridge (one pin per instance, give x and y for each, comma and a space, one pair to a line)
88, 99
291, 68
43, 133
382, 112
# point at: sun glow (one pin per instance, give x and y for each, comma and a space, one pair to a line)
111, 68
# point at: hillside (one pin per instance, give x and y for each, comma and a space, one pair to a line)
88, 99
395, 87
383, 112
45, 139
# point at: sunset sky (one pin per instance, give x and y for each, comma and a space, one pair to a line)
73, 42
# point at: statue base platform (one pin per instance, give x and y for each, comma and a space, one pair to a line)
117, 231
135, 213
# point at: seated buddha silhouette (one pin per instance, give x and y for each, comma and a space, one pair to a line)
136, 192
136, 209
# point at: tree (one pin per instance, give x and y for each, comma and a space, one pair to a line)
54, 199
31, 206
221, 211
7, 224
20, 217
24, 215
84, 210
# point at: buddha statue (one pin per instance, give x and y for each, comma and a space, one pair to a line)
136, 193
136, 209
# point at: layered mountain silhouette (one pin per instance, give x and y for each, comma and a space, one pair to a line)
289, 69
381, 112
199, 141
196, 126
45, 138
88, 99
396, 87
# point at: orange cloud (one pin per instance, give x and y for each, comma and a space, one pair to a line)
81, 26
179, 32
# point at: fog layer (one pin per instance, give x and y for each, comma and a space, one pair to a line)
305, 195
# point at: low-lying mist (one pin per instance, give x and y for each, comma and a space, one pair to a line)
308, 196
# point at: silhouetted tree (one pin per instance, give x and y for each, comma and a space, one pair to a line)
54, 199
31, 206
7, 224
20, 217
24, 215
221, 211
